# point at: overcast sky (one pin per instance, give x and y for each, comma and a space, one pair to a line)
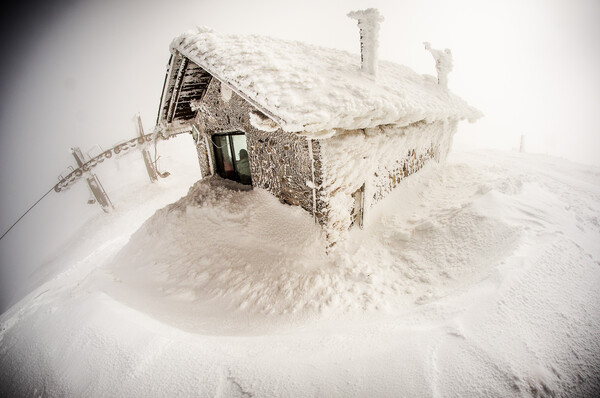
75, 72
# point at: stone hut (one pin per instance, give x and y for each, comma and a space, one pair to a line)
304, 122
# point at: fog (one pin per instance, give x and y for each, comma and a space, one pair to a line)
76, 72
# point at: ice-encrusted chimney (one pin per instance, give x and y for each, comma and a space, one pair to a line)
368, 22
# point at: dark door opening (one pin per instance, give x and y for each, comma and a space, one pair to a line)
231, 157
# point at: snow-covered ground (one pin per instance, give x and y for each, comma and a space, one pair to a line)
476, 278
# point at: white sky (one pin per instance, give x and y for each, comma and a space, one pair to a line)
531, 66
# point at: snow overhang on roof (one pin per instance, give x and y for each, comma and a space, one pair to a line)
315, 90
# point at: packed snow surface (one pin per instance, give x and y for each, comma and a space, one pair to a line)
316, 90
476, 278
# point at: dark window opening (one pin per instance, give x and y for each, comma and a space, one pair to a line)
231, 157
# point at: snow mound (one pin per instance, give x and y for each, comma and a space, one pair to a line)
220, 256
476, 279
315, 89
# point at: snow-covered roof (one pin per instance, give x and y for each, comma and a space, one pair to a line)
312, 89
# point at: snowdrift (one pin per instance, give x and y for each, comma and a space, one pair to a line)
478, 278
251, 263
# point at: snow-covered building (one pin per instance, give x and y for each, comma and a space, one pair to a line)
307, 123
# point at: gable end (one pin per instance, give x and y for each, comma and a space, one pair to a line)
184, 84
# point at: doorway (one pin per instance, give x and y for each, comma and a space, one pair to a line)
231, 157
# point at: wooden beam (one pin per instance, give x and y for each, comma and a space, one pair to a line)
176, 90
93, 183
165, 89
150, 167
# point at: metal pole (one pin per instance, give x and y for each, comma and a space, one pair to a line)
150, 167
93, 183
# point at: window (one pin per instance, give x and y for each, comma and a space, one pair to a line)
231, 157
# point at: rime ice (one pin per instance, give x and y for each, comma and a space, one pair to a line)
319, 91
368, 22
443, 63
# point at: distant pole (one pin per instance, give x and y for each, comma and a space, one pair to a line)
522, 144
150, 168
93, 182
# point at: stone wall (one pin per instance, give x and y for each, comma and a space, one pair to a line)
280, 162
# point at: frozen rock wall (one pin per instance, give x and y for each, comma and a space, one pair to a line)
280, 162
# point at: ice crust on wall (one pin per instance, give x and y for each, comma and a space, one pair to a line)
370, 157
226, 93
319, 91
262, 122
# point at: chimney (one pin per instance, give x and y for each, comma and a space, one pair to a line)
368, 22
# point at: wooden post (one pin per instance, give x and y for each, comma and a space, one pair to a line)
362, 207
150, 167
93, 183
359, 207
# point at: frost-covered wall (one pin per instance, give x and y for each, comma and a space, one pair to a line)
378, 158
280, 162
